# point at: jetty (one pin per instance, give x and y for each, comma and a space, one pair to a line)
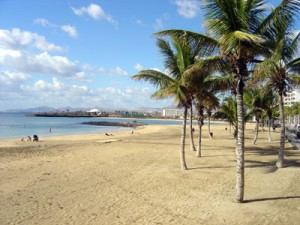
70, 114
133, 124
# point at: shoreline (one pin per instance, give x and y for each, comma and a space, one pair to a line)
15, 128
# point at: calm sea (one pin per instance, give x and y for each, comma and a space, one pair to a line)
18, 125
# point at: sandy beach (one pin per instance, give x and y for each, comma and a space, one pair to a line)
136, 179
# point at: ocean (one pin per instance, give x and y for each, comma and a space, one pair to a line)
18, 125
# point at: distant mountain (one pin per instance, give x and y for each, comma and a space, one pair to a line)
171, 107
32, 110
147, 109
71, 109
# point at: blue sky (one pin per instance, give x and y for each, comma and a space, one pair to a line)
82, 53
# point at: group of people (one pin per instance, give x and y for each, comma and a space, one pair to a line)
35, 138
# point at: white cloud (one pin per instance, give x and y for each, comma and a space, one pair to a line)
115, 71
9, 54
59, 94
96, 12
39, 64
8, 78
17, 39
102, 70
139, 22
43, 22
187, 8
42, 85
159, 24
87, 67
72, 32
18, 52
119, 71
127, 98
138, 67
80, 76
56, 93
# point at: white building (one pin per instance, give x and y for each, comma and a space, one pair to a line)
173, 113
95, 112
293, 96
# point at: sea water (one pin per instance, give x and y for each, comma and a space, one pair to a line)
18, 125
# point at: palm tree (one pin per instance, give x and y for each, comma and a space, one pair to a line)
205, 98
210, 105
262, 102
269, 105
280, 70
253, 100
176, 60
192, 144
200, 121
228, 112
235, 27
201, 84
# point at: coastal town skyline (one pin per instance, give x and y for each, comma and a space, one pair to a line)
82, 54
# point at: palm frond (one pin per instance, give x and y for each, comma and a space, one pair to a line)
203, 43
291, 45
294, 66
154, 77
230, 40
284, 15
169, 56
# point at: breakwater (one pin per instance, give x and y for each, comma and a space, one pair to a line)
68, 114
133, 124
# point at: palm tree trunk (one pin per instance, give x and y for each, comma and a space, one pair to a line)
192, 144
256, 130
183, 134
200, 124
279, 163
269, 129
240, 173
209, 133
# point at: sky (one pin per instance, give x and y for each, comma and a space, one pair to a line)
82, 54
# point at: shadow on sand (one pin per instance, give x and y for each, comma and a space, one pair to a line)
271, 199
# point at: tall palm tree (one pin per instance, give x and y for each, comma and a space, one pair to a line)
280, 70
177, 58
201, 84
235, 28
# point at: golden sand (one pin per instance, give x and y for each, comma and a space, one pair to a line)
136, 179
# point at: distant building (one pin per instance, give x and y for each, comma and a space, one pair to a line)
173, 113
94, 111
293, 96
